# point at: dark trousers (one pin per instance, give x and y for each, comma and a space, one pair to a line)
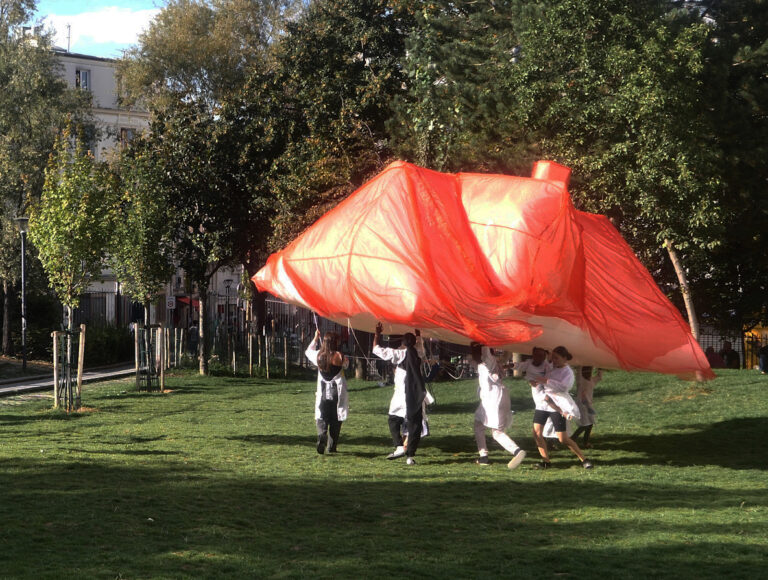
414, 423
395, 425
329, 423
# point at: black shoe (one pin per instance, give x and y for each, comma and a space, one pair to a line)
322, 441
483, 460
542, 465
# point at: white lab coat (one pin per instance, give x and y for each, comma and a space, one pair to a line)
342, 407
495, 410
396, 356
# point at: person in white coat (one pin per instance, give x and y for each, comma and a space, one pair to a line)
495, 409
406, 409
584, 399
331, 396
551, 392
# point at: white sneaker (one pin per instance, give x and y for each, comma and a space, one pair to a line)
410, 461
517, 459
398, 452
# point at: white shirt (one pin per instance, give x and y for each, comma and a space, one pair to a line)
396, 356
533, 371
494, 411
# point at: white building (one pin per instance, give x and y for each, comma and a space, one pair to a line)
97, 75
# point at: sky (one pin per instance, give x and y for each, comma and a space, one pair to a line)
98, 27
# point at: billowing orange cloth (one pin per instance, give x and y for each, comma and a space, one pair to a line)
506, 261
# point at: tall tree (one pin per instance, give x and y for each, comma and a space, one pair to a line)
201, 50
615, 91
141, 243
457, 54
199, 184
34, 103
70, 225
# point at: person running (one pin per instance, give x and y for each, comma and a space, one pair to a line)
494, 411
407, 404
556, 383
331, 397
584, 393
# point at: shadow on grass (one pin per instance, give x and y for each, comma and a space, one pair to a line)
175, 521
735, 443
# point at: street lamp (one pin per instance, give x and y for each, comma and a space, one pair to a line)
23, 223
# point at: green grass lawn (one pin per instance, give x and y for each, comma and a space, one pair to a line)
220, 479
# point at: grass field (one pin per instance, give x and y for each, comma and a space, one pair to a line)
220, 479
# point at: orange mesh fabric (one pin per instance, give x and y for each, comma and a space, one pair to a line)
503, 260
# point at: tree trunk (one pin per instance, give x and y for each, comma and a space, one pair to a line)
693, 321
146, 313
6, 320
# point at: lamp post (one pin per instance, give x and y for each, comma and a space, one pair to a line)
23, 223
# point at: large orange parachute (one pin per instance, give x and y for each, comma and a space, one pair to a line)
506, 261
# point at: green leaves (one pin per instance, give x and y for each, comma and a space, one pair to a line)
70, 225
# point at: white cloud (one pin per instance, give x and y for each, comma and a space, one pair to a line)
108, 25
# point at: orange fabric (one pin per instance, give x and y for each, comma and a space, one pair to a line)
506, 261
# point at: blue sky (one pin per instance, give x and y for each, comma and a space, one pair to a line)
98, 27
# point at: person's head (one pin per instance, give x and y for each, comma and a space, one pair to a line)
727, 345
476, 350
327, 348
409, 339
539, 355
710, 350
586, 372
560, 356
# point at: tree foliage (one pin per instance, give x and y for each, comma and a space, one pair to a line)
141, 243
70, 225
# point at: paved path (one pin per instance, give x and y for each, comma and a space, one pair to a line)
42, 383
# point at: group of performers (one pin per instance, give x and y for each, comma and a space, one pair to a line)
549, 375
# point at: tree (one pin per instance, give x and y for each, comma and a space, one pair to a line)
70, 225
201, 50
204, 201
615, 91
456, 56
34, 103
141, 243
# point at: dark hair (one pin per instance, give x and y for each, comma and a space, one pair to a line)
409, 339
476, 350
535, 348
327, 348
563, 352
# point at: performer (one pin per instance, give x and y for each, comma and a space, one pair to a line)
331, 397
554, 386
584, 393
407, 404
494, 411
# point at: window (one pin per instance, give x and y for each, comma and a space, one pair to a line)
83, 79
126, 134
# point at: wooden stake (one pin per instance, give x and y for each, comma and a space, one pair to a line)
80, 363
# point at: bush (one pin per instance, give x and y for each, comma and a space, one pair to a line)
108, 345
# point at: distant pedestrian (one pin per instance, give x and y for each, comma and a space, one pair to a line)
331, 397
762, 358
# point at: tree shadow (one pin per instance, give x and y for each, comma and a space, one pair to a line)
169, 517
735, 444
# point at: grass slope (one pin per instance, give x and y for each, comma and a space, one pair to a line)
220, 479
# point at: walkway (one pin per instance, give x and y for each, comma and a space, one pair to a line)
45, 382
